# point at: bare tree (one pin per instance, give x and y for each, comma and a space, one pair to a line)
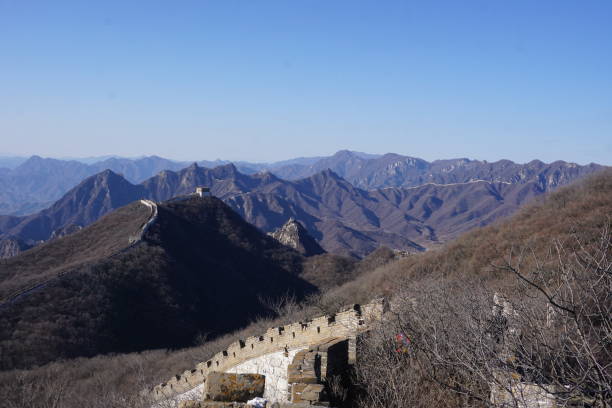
433, 350
565, 318
548, 337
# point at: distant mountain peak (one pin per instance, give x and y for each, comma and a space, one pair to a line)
108, 176
294, 235
32, 161
107, 173
344, 152
225, 170
266, 175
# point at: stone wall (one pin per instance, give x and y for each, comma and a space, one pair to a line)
344, 324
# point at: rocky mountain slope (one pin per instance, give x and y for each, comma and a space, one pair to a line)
341, 217
294, 235
84, 204
197, 258
347, 220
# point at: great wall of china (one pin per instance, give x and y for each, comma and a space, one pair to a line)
145, 227
285, 354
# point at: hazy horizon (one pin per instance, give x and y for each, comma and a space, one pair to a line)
274, 80
93, 159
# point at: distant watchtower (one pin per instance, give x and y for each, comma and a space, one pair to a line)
203, 192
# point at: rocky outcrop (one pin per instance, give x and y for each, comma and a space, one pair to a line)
233, 387
294, 235
11, 247
67, 230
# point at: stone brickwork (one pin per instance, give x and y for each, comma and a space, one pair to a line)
346, 324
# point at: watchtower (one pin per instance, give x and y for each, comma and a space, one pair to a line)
203, 192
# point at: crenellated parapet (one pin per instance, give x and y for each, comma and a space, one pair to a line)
346, 324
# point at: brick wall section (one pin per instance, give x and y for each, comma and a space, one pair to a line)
345, 324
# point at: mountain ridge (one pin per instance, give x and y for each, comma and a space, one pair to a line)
102, 293
32, 184
344, 219
395, 170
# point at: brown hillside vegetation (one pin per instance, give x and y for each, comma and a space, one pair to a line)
198, 258
328, 271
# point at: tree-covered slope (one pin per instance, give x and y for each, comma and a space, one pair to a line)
200, 270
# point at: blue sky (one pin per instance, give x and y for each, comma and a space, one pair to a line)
269, 80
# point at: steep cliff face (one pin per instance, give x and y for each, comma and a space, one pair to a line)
294, 235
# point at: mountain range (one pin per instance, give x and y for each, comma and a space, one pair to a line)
29, 185
343, 218
394, 170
